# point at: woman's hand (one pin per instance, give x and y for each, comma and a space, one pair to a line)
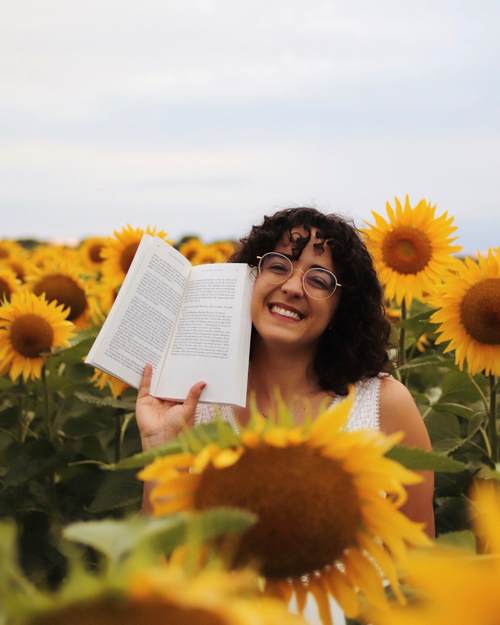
160, 420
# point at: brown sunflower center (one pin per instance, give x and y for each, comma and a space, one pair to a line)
190, 254
307, 507
480, 311
17, 268
31, 335
5, 290
65, 290
114, 612
127, 256
95, 253
406, 250
3, 252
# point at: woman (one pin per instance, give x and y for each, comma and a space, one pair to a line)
318, 327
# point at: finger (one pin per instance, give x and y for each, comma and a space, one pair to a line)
193, 396
145, 384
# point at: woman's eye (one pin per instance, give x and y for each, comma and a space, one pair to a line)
319, 282
278, 267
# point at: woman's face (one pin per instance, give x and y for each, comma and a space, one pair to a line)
270, 301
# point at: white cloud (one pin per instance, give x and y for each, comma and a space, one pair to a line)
203, 115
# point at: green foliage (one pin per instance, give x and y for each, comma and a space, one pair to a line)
117, 539
53, 443
123, 548
455, 408
420, 460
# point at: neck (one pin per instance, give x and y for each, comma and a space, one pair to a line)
288, 369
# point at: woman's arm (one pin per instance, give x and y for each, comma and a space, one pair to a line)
399, 413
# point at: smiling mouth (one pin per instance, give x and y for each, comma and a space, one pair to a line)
282, 311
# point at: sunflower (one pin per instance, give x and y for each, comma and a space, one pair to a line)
469, 313
226, 248
30, 327
191, 247
20, 265
10, 249
14, 257
423, 342
208, 254
47, 254
119, 251
411, 250
102, 295
393, 313
90, 252
62, 283
100, 379
326, 526
452, 586
165, 596
9, 283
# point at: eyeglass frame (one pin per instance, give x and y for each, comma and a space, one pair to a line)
337, 283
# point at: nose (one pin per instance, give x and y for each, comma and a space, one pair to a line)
293, 285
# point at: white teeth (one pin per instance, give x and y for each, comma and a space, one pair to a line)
285, 313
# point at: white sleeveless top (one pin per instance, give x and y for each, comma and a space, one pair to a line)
365, 413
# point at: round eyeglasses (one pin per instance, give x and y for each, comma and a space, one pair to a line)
317, 282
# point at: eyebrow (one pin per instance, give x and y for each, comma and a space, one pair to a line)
290, 257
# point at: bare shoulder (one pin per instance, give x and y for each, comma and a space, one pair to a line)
399, 413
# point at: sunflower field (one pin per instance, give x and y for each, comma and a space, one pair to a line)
73, 546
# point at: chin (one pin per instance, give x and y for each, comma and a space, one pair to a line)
283, 337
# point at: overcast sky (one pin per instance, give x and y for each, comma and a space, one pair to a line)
201, 116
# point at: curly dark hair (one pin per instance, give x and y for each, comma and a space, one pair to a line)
355, 346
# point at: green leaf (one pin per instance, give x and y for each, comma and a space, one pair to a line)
74, 354
116, 539
454, 408
447, 445
415, 322
487, 473
218, 432
13, 584
5, 384
216, 521
137, 461
33, 459
457, 387
89, 424
463, 539
102, 400
474, 423
117, 491
442, 425
424, 361
420, 460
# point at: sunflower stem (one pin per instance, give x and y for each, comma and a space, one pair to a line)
480, 392
22, 421
118, 437
402, 338
46, 404
492, 425
486, 442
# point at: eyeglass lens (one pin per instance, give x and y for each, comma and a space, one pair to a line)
317, 282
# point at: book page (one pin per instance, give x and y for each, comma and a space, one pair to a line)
140, 324
212, 337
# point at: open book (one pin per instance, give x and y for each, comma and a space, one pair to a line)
190, 323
